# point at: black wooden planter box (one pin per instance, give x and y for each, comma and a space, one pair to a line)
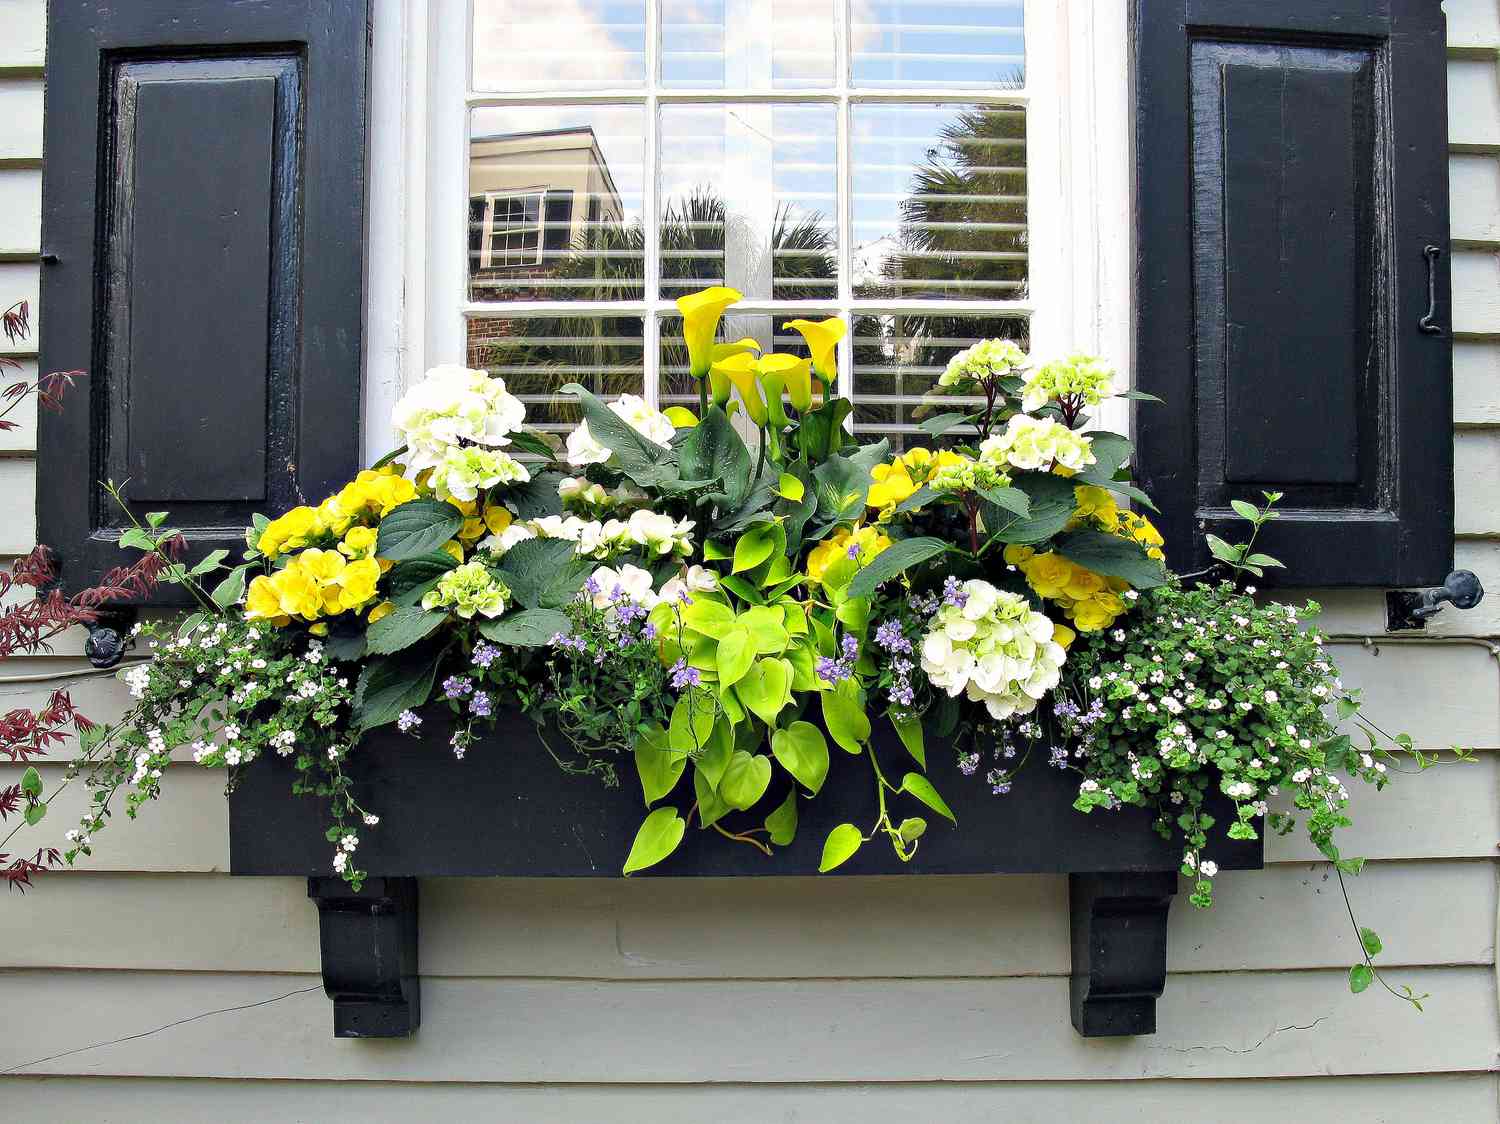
507, 810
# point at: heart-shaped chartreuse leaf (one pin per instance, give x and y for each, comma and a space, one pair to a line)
746, 779
803, 752
766, 688
657, 838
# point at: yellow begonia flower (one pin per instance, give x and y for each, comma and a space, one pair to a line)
319, 565
1016, 554
454, 549
384, 609
1094, 614
739, 371
870, 541
1083, 584
701, 312
497, 518
357, 583
1048, 574
793, 372
1091, 502
291, 531
359, 542
297, 594
822, 338
471, 530
263, 603
892, 485
1064, 636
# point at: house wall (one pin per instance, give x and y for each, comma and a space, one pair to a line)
796, 999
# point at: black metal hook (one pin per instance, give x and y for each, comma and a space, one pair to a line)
1413, 608
1429, 323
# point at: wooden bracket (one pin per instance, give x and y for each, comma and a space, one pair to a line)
1119, 950
369, 947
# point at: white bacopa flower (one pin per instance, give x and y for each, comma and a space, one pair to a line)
1208, 869
995, 648
451, 406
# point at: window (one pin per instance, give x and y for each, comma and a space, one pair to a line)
933, 171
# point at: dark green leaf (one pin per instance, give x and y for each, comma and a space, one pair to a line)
715, 451
841, 486
530, 441
1111, 556
1138, 396
229, 591
417, 527
1371, 941
401, 628
536, 497
1012, 500
634, 455
941, 423
893, 560
1051, 507
391, 684
409, 580
1360, 977
543, 573
526, 628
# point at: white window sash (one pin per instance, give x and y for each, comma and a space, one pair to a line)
1078, 165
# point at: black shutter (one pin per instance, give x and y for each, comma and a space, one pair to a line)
1291, 173
203, 216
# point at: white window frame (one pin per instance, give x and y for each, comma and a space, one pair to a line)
1079, 192
487, 239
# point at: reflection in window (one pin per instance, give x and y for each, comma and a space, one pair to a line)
559, 44
555, 203
897, 360
932, 44
537, 355
939, 201
748, 196
747, 44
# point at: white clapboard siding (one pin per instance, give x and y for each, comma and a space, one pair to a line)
1476, 292
1224, 1024
1476, 467
1473, 105
1476, 378
1473, 25
23, 46
20, 211
1362, 612
22, 439
785, 928
20, 121
1474, 198
1457, 1098
17, 505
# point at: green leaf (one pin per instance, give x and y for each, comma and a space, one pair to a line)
1222, 550
893, 560
189, 623
1051, 507
1347, 707
1012, 500
765, 689
746, 779
229, 591
137, 539
756, 545
803, 752
1246, 510
401, 628
1110, 450
34, 814
918, 499
417, 527
915, 784
634, 455
1360, 977
847, 723
909, 729
790, 488
744, 590
711, 618
912, 828
543, 573
1265, 560
782, 823
658, 767
692, 721
1111, 556
711, 806
389, 685
821, 431
209, 561
715, 451
939, 424
766, 625
525, 628
657, 838
31, 782
736, 654
533, 442
1138, 396
716, 754
840, 846
841, 486
409, 580
1371, 941
389, 457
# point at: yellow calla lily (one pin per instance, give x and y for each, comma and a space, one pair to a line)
772, 386
721, 351
794, 372
700, 323
822, 338
681, 417
739, 370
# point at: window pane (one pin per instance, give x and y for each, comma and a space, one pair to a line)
747, 44
536, 355
747, 199
898, 358
555, 199
974, 44
939, 201
559, 44
679, 388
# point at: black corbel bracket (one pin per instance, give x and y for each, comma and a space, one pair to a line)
1119, 950
369, 946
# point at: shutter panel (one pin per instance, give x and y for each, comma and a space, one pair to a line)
1291, 170
203, 217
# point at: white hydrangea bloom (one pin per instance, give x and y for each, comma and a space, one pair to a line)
465, 471
987, 359
584, 449
1082, 377
1035, 444
991, 645
452, 405
499, 544
577, 491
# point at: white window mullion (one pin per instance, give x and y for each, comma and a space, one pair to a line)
448, 182
842, 40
